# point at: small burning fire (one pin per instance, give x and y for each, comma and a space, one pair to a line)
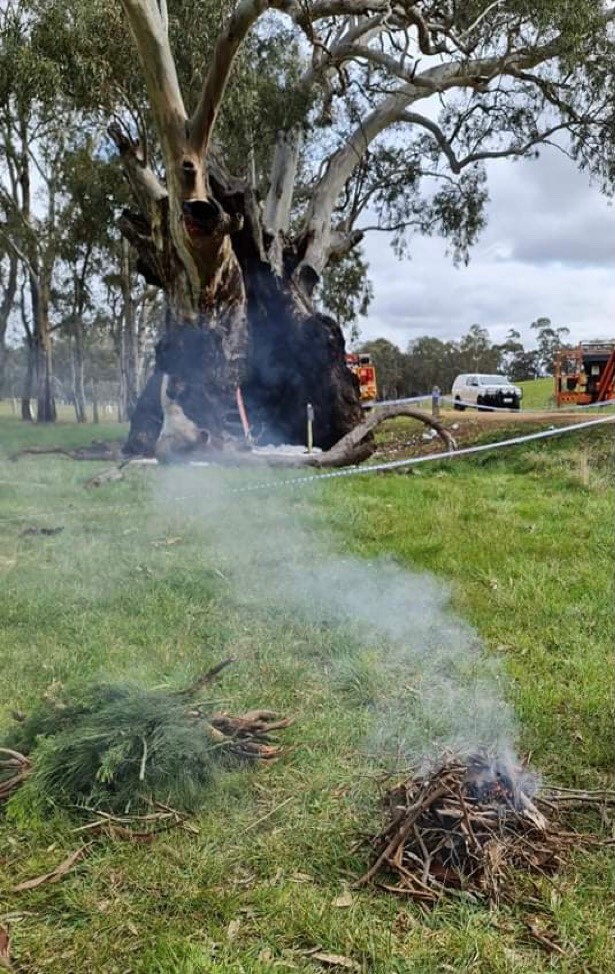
465, 826
495, 780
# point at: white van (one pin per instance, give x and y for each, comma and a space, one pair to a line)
487, 391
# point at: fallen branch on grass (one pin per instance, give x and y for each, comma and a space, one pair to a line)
36, 531
464, 828
108, 476
135, 828
97, 450
357, 446
5, 950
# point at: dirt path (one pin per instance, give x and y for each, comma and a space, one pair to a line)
483, 418
403, 440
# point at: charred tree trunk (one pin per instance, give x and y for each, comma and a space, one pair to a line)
256, 330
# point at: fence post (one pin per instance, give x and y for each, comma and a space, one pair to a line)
435, 402
310, 427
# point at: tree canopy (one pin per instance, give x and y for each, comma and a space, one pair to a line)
347, 114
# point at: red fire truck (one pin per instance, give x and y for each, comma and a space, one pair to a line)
360, 364
585, 374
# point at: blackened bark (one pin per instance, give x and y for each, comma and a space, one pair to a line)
146, 421
292, 361
295, 360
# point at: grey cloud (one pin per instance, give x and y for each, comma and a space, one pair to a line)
549, 249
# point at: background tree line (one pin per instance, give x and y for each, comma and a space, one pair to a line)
429, 362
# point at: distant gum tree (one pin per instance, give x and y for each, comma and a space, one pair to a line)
263, 138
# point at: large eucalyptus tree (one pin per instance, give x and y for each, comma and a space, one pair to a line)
261, 138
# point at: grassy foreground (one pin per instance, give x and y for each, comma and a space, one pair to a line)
137, 587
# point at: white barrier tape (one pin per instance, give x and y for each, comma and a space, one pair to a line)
473, 405
396, 402
413, 461
590, 405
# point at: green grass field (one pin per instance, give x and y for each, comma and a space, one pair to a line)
538, 394
524, 541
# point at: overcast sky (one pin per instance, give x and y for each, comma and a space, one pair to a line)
548, 250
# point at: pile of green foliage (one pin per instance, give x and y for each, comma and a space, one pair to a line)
118, 747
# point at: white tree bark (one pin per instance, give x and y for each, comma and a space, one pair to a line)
278, 204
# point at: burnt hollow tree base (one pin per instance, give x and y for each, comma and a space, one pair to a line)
293, 359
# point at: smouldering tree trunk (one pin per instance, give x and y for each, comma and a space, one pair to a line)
236, 321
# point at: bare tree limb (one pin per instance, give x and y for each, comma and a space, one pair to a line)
27, 264
351, 448
456, 164
342, 163
356, 446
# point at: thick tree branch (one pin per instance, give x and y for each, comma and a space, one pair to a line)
277, 209
167, 104
350, 447
228, 43
19, 253
160, 74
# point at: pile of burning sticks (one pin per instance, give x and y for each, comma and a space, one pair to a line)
464, 826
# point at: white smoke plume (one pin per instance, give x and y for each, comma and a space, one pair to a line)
421, 670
